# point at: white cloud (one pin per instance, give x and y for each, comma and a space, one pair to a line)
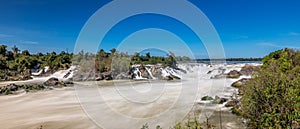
28, 42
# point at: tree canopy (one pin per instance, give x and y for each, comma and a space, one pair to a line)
272, 97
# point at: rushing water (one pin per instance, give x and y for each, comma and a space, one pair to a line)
120, 104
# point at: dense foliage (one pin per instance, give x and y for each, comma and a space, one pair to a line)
118, 61
13, 63
272, 97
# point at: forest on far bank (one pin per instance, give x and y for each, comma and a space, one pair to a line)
18, 65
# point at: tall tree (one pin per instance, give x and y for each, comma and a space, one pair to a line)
16, 51
3, 49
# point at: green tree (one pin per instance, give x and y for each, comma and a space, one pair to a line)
3, 49
272, 97
16, 51
25, 53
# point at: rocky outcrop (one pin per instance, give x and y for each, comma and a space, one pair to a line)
233, 74
8, 88
51, 82
205, 98
25, 75
232, 103
219, 100
104, 76
240, 83
156, 72
137, 72
123, 76
249, 70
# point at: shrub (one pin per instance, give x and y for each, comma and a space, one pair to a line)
271, 98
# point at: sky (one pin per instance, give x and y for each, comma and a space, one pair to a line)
247, 28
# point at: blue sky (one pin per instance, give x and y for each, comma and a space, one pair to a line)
251, 28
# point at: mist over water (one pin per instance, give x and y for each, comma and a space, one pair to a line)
120, 103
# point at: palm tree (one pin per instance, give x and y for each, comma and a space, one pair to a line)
16, 51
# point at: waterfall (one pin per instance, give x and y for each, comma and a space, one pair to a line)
150, 73
164, 72
137, 73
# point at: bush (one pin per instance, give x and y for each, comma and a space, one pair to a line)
271, 98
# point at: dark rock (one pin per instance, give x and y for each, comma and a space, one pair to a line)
107, 76
175, 77
168, 78
209, 72
219, 100
122, 76
206, 98
223, 100
218, 76
69, 83
249, 69
3, 89
52, 82
99, 77
25, 75
233, 74
12, 87
240, 83
232, 103
181, 70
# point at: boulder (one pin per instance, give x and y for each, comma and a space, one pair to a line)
123, 76
209, 72
232, 103
240, 83
107, 76
99, 77
219, 100
12, 87
249, 69
233, 74
168, 78
218, 76
206, 98
25, 75
51, 82
3, 89
175, 77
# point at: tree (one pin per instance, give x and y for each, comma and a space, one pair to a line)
9, 55
25, 53
3, 49
113, 51
272, 97
148, 55
15, 51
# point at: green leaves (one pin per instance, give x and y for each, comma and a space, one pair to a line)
272, 97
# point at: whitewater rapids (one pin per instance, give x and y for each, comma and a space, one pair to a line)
117, 104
